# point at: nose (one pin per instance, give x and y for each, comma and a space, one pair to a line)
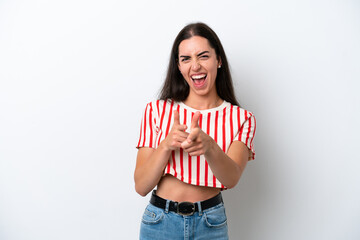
195, 66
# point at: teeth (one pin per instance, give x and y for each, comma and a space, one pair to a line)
198, 76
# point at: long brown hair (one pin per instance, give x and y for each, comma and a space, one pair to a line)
176, 88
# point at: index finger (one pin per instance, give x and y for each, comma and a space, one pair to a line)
195, 120
176, 117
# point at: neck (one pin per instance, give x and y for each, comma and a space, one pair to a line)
203, 102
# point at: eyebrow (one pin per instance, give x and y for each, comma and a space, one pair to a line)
197, 55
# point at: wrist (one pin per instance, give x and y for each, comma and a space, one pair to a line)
163, 146
212, 145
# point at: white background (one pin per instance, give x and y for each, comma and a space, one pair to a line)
76, 75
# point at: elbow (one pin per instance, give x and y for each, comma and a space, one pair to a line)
141, 190
231, 184
143, 194
233, 181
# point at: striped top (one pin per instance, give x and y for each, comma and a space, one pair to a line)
225, 124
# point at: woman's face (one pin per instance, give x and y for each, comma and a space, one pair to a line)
198, 64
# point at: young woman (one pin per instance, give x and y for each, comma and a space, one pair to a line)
195, 141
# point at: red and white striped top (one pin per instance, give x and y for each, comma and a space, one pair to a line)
225, 124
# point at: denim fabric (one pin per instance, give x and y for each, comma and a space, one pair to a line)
160, 224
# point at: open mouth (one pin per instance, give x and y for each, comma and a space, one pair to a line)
199, 80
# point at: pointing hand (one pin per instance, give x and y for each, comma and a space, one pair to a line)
197, 142
177, 134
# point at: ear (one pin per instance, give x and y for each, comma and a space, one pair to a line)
219, 61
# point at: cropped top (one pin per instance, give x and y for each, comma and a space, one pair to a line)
225, 124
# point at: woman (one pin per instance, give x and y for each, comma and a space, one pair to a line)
194, 142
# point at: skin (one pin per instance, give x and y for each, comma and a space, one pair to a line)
196, 57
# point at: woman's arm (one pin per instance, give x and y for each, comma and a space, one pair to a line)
226, 167
150, 163
229, 167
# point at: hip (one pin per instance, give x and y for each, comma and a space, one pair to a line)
209, 221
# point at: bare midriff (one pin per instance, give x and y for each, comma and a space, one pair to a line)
173, 189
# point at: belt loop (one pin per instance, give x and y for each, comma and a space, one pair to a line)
199, 207
167, 206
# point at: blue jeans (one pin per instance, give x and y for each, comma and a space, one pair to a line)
160, 224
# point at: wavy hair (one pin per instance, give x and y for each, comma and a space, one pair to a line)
175, 87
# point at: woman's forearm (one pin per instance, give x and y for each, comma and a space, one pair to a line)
226, 170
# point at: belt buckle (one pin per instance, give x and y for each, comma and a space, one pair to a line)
185, 208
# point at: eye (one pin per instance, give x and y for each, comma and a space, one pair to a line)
204, 57
184, 59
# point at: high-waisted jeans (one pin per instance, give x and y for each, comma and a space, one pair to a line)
160, 224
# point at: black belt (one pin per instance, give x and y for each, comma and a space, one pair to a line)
185, 208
